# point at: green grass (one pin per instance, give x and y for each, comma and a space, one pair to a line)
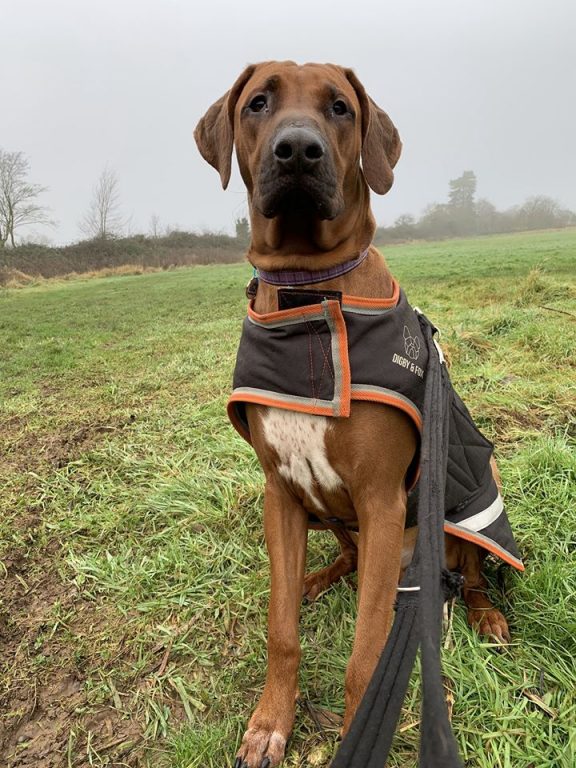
132, 513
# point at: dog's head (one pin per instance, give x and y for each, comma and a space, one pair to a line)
308, 140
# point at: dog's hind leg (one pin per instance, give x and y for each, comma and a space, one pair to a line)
467, 558
319, 581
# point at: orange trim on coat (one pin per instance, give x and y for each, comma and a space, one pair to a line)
361, 302
382, 397
312, 309
482, 542
319, 410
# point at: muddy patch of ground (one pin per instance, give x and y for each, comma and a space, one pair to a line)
67, 661
49, 638
29, 449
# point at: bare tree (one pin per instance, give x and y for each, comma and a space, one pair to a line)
542, 212
18, 206
103, 219
154, 225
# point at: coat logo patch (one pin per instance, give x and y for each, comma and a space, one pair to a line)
411, 344
412, 347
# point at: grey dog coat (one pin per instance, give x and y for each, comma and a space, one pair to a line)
318, 358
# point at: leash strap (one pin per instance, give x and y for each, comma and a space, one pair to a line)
418, 612
438, 747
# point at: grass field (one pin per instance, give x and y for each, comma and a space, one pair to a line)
132, 564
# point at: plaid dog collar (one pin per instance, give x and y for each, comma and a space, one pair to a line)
305, 277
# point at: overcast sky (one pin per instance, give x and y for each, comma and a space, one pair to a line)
486, 85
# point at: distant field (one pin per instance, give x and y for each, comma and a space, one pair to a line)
134, 574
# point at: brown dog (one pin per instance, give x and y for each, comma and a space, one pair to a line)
309, 143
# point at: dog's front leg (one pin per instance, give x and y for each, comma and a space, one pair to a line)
379, 559
285, 527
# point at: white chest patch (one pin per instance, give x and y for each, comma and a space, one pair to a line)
299, 441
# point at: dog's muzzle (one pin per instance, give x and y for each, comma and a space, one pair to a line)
298, 173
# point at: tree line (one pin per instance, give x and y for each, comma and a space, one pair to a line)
463, 215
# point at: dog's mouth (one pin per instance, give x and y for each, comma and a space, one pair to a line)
298, 201
307, 198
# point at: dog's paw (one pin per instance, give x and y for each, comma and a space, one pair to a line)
319, 581
490, 624
314, 584
261, 747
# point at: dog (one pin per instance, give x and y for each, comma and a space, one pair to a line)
310, 144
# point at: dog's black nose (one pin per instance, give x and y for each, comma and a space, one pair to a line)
298, 148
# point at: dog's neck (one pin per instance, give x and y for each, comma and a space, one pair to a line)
300, 240
370, 279
310, 245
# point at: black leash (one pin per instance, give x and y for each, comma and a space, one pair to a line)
418, 622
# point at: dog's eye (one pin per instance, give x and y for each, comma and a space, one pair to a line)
339, 107
258, 104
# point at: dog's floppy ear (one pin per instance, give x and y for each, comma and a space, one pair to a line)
214, 133
381, 145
